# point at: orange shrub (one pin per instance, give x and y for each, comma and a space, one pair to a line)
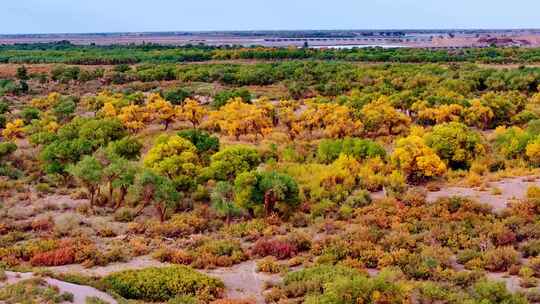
57, 257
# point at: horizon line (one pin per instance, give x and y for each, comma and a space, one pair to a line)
269, 31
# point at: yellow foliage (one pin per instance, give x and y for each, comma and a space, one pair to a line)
161, 110
46, 102
337, 121
193, 112
14, 129
441, 114
290, 119
478, 115
97, 102
381, 118
416, 159
533, 151
108, 110
238, 118
133, 117
175, 157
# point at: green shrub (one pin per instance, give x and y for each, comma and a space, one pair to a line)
495, 292
455, 143
330, 149
223, 97
162, 284
176, 96
183, 300
203, 141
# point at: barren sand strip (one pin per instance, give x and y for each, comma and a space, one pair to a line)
510, 189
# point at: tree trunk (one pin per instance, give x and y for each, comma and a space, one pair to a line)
92, 193
161, 211
120, 202
269, 202
146, 202
111, 190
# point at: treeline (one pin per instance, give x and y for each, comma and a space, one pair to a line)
332, 79
65, 52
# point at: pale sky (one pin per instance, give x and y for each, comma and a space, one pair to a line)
83, 16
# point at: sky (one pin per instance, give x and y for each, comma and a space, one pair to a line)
88, 16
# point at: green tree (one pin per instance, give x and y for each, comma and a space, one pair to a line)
118, 173
223, 97
176, 96
89, 173
64, 109
330, 149
231, 161
22, 73
127, 147
456, 144
157, 191
28, 114
176, 158
81, 136
203, 141
222, 198
259, 192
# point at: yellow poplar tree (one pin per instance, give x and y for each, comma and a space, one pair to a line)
416, 160
193, 112
161, 110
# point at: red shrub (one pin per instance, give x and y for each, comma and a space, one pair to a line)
57, 257
277, 248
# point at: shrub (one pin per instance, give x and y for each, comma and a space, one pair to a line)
176, 96
495, 292
34, 290
361, 198
220, 253
175, 256
203, 141
533, 192
534, 264
330, 149
162, 284
313, 279
500, 259
277, 248
124, 215
270, 265
231, 161
467, 255
455, 144
531, 248
223, 97
94, 300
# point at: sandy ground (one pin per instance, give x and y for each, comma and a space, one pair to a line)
80, 293
242, 281
100, 271
511, 189
512, 282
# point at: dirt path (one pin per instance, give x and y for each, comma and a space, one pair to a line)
101, 271
242, 281
510, 189
80, 292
